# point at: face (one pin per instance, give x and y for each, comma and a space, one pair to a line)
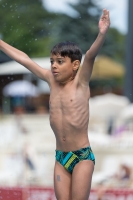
62, 68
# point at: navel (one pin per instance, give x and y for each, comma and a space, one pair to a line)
64, 138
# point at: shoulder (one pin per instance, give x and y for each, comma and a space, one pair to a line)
80, 84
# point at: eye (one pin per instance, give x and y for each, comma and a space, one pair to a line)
51, 61
60, 61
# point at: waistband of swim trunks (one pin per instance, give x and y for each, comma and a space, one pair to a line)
84, 148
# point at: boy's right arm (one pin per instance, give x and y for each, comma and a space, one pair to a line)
24, 60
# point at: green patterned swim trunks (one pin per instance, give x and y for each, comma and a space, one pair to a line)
69, 159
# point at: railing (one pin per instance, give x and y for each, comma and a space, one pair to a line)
37, 193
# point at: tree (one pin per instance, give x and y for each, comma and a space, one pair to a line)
83, 29
27, 25
114, 45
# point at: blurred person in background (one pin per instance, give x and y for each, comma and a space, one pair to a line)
124, 173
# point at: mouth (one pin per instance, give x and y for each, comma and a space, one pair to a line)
55, 73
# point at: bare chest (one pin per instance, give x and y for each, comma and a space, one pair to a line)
68, 99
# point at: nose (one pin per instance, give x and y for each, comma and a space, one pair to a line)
54, 65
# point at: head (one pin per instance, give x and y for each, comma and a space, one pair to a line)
65, 60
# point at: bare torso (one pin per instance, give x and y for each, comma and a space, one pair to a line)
69, 115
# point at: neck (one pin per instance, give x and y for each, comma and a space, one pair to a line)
63, 83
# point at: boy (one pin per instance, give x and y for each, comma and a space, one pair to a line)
69, 111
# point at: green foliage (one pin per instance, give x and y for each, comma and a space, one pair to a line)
114, 45
26, 25
83, 29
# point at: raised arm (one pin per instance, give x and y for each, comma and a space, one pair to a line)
24, 60
86, 69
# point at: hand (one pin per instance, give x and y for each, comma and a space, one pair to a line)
104, 22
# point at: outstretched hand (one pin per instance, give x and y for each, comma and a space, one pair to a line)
104, 22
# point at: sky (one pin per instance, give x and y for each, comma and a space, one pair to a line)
118, 10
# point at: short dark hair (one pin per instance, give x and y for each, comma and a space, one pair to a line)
69, 49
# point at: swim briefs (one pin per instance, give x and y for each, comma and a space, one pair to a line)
69, 159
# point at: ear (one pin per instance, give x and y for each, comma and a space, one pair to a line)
76, 65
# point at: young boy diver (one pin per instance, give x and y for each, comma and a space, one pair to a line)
69, 110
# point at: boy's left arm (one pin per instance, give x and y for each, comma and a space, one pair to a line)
86, 69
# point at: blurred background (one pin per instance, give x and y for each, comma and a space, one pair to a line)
27, 143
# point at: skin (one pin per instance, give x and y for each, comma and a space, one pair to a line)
66, 102
69, 110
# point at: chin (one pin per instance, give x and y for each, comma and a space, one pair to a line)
61, 81
57, 79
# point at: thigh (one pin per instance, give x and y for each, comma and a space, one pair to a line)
62, 182
81, 180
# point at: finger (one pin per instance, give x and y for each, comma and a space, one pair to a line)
108, 13
105, 11
108, 17
105, 14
